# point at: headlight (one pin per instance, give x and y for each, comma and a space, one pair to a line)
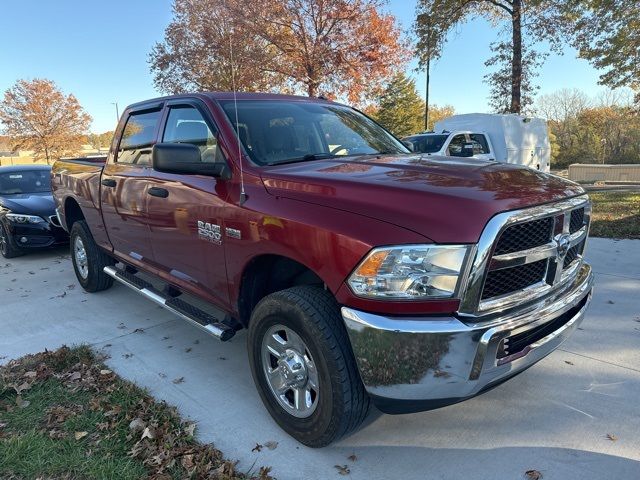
410, 272
18, 218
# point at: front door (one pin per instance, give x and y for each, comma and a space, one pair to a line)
186, 212
123, 188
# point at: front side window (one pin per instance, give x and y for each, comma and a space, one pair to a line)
277, 131
187, 125
427, 143
26, 181
138, 137
456, 147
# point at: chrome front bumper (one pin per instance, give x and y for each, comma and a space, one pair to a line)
413, 364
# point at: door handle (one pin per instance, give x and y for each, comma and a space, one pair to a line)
108, 182
158, 192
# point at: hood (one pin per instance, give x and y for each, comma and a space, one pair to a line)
41, 204
446, 200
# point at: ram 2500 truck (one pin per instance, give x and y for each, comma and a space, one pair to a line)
364, 273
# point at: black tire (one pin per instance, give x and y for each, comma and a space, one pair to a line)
8, 248
313, 314
95, 279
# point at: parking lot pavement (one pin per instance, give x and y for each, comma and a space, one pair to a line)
554, 418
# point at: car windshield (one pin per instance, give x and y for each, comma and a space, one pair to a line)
25, 181
277, 131
427, 143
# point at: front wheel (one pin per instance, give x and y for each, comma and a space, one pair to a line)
88, 260
8, 248
303, 366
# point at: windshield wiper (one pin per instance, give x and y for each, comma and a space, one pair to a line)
306, 158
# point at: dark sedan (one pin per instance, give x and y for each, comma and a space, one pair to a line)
27, 212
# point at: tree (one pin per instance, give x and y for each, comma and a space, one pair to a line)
100, 140
606, 34
339, 48
437, 113
537, 20
38, 116
401, 110
203, 45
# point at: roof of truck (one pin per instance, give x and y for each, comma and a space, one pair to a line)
230, 96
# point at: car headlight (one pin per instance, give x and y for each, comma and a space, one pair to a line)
410, 272
19, 218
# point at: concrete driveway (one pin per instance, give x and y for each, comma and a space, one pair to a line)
554, 418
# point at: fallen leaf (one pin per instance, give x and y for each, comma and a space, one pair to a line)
568, 362
271, 445
22, 403
128, 355
222, 358
190, 429
187, 350
343, 469
139, 330
352, 458
2, 425
257, 448
80, 435
187, 461
166, 338
533, 475
122, 326
612, 437
105, 372
162, 375
148, 433
30, 374
196, 342
178, 380
75, 376
21, 388
610, 302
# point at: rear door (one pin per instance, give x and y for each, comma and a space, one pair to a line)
124, 184
186, 212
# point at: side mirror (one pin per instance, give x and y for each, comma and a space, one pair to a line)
409, 145
467, 150
186, 159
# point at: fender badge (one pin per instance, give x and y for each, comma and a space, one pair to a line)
233, 233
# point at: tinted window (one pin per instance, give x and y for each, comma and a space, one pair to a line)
287, 131
137, 138
456, 147
479, 142
27, 181
427, 143
187, 125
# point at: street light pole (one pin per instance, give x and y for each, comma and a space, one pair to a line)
117, 112
426, 103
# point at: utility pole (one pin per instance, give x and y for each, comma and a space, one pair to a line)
117, 112
426, 103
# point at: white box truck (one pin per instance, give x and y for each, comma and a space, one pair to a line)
503, 138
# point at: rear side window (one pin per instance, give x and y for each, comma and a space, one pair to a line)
137, 138
480, 145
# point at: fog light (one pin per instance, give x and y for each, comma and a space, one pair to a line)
23, 239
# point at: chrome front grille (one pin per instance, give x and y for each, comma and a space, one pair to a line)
524, 255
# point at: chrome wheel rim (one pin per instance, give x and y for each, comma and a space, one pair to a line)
290, 371
80, 254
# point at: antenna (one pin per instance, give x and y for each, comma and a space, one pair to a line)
243, 195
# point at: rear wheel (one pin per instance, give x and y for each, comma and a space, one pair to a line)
8, 248
303, 366
88, 260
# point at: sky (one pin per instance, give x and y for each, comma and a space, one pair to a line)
98, 50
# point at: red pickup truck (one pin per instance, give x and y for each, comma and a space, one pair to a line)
364, 273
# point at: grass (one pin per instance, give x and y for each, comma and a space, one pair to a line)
615, 214
64, 415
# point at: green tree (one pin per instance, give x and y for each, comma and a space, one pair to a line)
400, 108
607, 34
521, 26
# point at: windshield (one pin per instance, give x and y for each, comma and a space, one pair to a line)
277, 131
427, 143
26, 181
